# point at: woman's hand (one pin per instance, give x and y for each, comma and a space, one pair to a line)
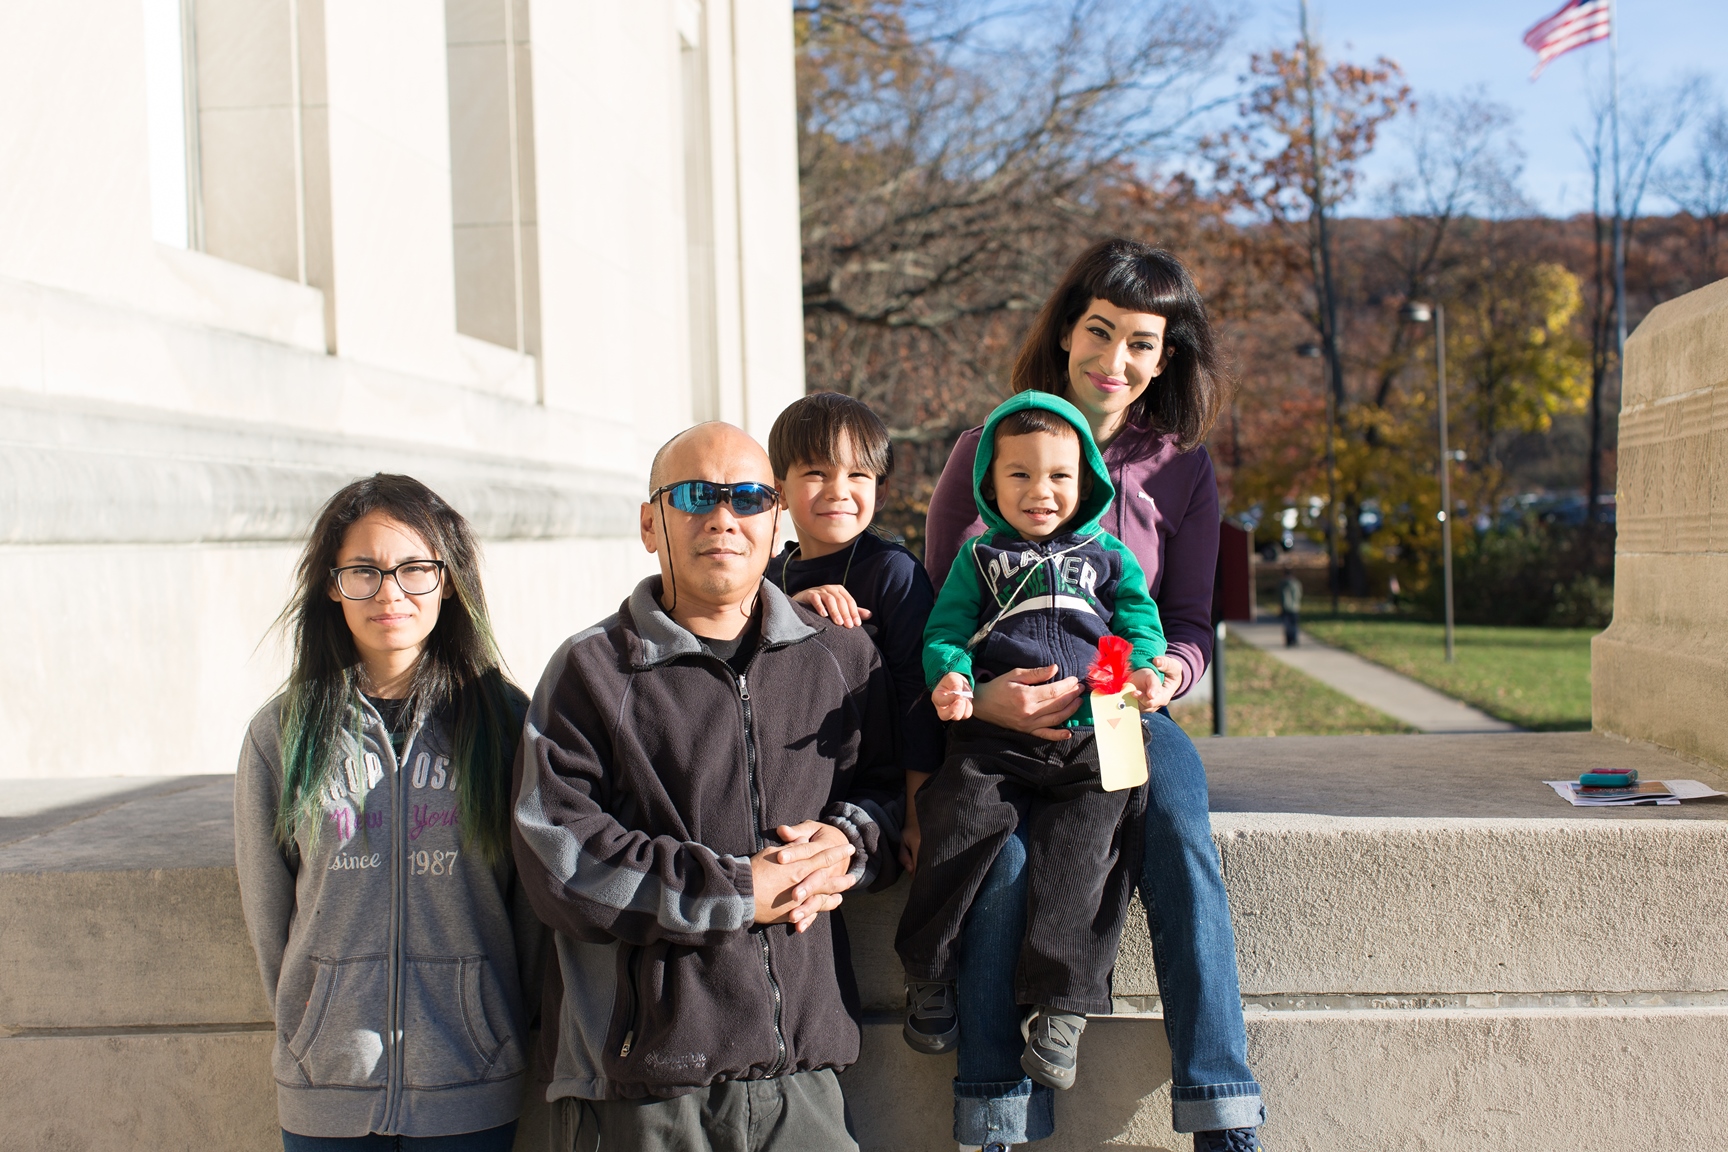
834, 602
952, 697
1020, 700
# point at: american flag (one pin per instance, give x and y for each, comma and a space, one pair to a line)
1579, 22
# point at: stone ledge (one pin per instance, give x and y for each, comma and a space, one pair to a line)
1364, 1081
106, 474
1383, 907
1398, 908
120, 949
1415, 975
1445, 1080
150, 1092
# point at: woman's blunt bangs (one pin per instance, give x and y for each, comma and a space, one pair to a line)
1183, 400
822, 427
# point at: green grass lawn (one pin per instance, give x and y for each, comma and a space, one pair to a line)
1268, 698
1536, 678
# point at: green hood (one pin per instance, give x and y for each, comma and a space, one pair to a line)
1091, 507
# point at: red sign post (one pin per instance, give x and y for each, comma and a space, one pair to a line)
1232, 599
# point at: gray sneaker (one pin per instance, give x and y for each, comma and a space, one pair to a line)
1228, 1140
932, 1025
1052, 1046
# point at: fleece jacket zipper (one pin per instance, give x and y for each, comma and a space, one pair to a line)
632, 959
756, 808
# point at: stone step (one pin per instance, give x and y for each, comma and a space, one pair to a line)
1441, 1080
123, 911
1435, 952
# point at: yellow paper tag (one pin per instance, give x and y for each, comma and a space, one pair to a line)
1121, 743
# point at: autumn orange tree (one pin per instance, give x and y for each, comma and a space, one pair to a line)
1292, 158
956, 154
950, 166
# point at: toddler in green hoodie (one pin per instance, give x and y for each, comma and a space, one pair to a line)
1040, 587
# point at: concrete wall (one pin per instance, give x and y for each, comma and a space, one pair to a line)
421, 252
1657, 672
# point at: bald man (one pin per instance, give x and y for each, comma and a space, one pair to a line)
702, 776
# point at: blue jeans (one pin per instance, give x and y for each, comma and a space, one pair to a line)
497, 1139
1182, 887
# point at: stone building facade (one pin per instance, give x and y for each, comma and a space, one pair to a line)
252, 249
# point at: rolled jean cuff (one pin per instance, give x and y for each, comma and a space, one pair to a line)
1007, 1111
1212, 1107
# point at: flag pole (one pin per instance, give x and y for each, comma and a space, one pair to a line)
1619, 221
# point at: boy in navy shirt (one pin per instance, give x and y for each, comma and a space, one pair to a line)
831, 455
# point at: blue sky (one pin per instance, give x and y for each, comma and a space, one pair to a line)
1448, 46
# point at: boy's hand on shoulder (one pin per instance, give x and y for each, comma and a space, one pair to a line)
952, 697
834, 602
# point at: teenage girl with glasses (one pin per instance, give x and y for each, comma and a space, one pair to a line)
371, 817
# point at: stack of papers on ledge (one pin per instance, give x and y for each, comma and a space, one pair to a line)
1643, 792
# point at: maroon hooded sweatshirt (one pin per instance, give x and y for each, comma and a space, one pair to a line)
1166, 512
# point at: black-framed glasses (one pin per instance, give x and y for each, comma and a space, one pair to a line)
414, 577
700, 497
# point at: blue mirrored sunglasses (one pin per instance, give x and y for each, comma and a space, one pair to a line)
700, 497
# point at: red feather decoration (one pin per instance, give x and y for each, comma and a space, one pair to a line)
1109, 673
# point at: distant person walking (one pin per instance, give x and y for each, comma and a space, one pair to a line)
371, 829
1290, 606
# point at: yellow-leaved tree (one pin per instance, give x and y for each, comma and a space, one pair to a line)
1516, 362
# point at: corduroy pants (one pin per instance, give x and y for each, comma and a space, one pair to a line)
1081, 871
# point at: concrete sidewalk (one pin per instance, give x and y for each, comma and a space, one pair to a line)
1380, 688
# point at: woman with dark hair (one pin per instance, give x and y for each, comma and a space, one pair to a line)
371, 821
1126, 339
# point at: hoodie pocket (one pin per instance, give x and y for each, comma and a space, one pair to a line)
455, 1024
340, 1041
999, 651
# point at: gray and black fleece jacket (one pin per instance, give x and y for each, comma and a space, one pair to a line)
649, 774
393, 955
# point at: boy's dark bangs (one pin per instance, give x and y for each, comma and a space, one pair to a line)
1030, 420
826, 427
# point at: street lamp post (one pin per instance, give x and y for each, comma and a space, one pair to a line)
1314, 352
1418, 312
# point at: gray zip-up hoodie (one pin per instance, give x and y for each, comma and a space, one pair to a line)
391, 953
